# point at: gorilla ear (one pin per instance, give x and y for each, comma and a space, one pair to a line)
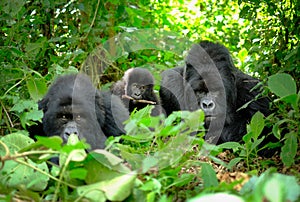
43, 104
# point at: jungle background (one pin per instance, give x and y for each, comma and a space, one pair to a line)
43, 39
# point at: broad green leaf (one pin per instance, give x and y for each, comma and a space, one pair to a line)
106, 158
274, 190
14, 174
53, 142
290, 186
222, 197
115, 189
151, 185
233, 162
208, 175
282, 84
229, 145
276, 131
257, 124
36, 87
173, 150
289, 149
291, 99
255, 143
78, 173
148, 163
77, 155
102, 165
272, 187
183, 180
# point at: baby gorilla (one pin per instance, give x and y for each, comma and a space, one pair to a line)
136, 90
74, 106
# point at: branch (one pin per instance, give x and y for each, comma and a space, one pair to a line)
141, 101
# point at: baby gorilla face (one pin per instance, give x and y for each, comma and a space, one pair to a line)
137, 91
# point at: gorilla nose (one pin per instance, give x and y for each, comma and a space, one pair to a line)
70, 128
207, 105
137, 95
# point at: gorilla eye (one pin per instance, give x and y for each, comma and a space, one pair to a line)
78, 117
64, 117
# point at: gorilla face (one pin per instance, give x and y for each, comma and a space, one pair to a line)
137, 83
215, 98
65, 116
210, 81
73, 106
137, 91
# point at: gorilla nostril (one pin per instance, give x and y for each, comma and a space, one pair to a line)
207, 104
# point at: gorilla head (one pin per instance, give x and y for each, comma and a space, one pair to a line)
136, 90
209, 73
73, 106
139, 84
210, 81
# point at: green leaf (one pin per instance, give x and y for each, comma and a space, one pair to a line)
116, 189
14, 174
257, 124
102, 165
272, 186
53, 142
290, 187
183, 180
229, 145
208, 175
216, 197
291, 99
282, 84
276, 131
233, 162
289, 149
243, 53
36, 87
148, 163
274, 190
106, 158
77, 155
78, 173
151, 185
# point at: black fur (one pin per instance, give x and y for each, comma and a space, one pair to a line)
210, 81
74, 105
137, 83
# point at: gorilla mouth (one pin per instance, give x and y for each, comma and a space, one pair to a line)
136, 98
210, 117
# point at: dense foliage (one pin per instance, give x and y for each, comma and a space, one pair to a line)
41, 40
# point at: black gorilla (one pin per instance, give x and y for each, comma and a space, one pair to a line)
74, 106
135, 88
210, 81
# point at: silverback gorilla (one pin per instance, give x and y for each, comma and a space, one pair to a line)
74, 106
136, 90
210, 81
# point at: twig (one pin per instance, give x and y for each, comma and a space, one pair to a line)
141, 101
